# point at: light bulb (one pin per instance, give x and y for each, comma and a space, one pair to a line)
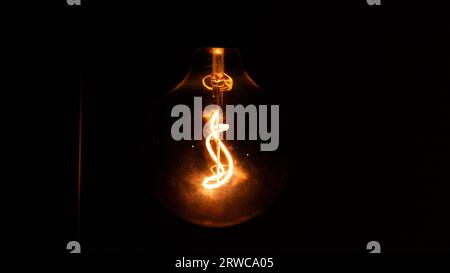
217, 144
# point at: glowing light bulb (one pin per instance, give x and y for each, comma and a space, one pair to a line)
205, 172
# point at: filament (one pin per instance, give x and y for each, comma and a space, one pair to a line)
221, 172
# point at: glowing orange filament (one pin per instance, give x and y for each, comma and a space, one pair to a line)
218, 80
222, 81
221, 172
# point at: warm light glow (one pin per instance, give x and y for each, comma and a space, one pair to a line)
218, 51
221, 172
218, 80
208, 179
221, 80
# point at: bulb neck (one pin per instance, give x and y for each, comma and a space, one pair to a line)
217, 60
217, 71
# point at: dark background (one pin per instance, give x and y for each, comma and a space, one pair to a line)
368, 88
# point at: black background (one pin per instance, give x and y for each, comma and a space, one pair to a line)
366, 88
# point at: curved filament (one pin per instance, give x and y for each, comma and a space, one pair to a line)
221, 172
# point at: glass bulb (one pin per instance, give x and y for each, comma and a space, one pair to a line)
217, 144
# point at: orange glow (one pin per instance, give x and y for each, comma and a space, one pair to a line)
211, 180
218, 80
218, 51
221, 80
221, 172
